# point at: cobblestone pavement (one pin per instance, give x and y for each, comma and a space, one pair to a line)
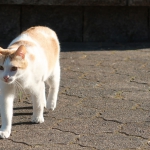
104, 104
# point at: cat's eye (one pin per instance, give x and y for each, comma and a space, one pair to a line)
1, 68
13, 68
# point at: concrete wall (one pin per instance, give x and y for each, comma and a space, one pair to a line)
78, 21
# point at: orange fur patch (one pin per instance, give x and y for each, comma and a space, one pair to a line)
44, 37
22, 64
32, 57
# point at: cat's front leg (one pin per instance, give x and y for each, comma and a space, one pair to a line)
6, 109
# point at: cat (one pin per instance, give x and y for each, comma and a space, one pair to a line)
30, 61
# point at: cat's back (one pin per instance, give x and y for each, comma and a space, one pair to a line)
40, 33
45, 37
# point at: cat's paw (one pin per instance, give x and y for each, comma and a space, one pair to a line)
4, 134
51, 105
37, 119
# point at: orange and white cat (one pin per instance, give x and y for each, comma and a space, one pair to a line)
30, 61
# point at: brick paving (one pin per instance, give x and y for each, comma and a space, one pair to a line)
103, 103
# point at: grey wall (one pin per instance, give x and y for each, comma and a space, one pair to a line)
78, 23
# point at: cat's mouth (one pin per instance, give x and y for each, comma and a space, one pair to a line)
8, 81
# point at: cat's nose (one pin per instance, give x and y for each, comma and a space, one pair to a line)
6, 78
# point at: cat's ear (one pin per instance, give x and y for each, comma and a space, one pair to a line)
21, 51
5, 52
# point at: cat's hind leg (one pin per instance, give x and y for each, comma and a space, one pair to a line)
53, 82
38, 100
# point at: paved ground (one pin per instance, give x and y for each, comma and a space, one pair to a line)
104, 103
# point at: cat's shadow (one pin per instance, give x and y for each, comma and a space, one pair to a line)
23, 123
18, 108
22, 114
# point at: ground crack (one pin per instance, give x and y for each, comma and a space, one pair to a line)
20, 142
133, 135
94, 148
111, 120
66, 131
77, 96
139, 82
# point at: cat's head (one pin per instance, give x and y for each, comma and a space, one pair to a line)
12, 64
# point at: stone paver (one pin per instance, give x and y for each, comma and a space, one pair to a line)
103, 103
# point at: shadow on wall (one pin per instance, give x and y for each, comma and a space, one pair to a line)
68, 47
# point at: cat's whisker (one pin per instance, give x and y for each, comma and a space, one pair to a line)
17, 88
20, 88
